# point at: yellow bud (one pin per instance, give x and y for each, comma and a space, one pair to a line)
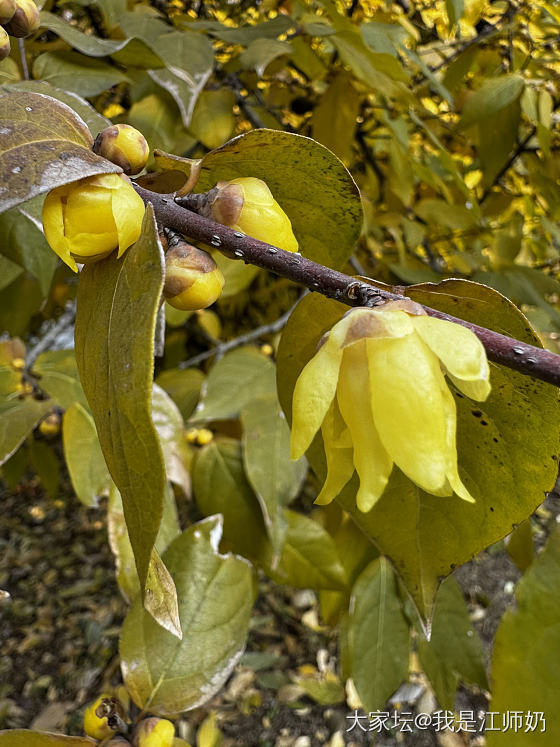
154, 732
18, 364
25, 20
4, 44
50, 426
204, 437
192, 279
87, 220
267, 349
123, 145
7, 10
246, 204
101, 717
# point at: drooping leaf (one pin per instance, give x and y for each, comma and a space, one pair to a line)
524, 671
171, 431
57, 375
127, 577
215, 595
118, 301
507, 446
44, 144
308, 181
274, 477
378, 635
454, 652
18, 417
234, 380
46, 464
83, 455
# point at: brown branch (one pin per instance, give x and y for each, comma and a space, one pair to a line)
519, 356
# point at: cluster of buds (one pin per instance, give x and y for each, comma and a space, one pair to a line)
18, 18
377, 391
105, 719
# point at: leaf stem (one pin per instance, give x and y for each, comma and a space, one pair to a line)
519, 356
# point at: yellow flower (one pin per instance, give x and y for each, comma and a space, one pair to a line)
87, 220
377, 391
96, 723
246, 204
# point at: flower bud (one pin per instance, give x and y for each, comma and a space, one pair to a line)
7, 10
154, 732
246, 204
101, 718
4, 44
87, 220
123, 145
193, 280
50, 426
25, 20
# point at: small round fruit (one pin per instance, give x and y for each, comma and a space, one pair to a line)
154, 732
96, 717
25, 20
193, 280
123, 145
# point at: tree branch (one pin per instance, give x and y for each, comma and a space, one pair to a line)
519, 356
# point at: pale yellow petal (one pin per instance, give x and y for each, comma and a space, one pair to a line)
53, 226
340, 464
371, 460
460, 351
315, 389
408, 408
377, 324
128, 212
452, 473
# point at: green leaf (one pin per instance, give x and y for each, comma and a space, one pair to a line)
9, 271
171, 431
118, 301
93, 46
243, 34
18, 417
75, 72
127, 577
19, 301
215, 595
261, 52
83, 455
378, 635
189, 59
29, 738
308, 181
111, 10
57, 374
507, 446
213, 121
274, 477
183, 386
95, 121
237, 275
334, 119
46, 464
526, 652
9, 71
520, 545
493, 96
44, 144
23, 242
454, 652
309, 558
234, 380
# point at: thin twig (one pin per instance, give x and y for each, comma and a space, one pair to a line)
254, 334
65, 320
23, 58
519, 356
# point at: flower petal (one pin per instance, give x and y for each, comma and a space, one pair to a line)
408, 408
460, 351
128, 212
373, 463
452, 472
315, 389
53, 226
340, 463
